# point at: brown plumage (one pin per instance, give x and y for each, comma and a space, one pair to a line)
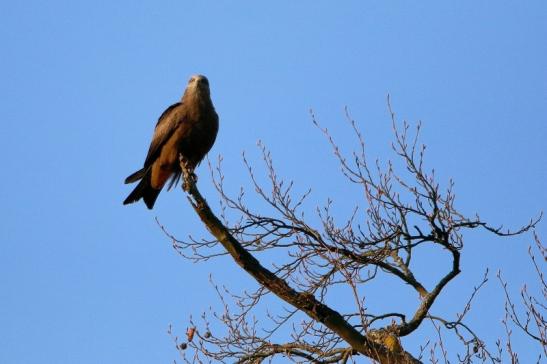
188, 128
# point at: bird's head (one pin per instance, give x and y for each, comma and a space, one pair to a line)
199, 84
197, 91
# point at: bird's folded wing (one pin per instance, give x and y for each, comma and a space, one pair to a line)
167, 124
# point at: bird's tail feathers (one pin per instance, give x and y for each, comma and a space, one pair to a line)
137, 192
145, 191
136, 176
149, 196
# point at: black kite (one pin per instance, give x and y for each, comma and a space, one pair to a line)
187, 128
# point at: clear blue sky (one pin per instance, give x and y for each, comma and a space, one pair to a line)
86, 280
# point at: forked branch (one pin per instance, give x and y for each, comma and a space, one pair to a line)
302, 301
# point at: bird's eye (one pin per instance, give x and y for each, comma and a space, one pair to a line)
191, 80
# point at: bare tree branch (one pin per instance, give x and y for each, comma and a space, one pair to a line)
401, 213
302, 301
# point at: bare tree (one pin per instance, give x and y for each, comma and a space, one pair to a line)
529, 318
304, 265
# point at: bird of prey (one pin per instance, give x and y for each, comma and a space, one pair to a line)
187, 129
